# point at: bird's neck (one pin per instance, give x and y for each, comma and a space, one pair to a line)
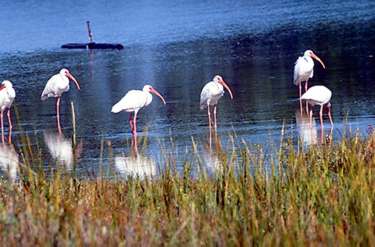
64, 77
219, 86
149, 98
309, 59
148, 94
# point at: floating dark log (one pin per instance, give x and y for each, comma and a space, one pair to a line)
93, 45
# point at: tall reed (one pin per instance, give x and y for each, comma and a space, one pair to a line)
319, 194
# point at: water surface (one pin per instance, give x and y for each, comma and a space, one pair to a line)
178, 47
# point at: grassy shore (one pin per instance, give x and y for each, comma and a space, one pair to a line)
320, 194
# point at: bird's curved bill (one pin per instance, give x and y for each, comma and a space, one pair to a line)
227, 88
318, 59
73, 79
152, 90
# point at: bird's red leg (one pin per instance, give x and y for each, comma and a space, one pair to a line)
321, 115
307, 106
321, 122
58, 114
210, 140
307, 87
10, 128
209, 116
300, 94
330, 115
209, 125
215, 117
135, 123
2, 127
131, 122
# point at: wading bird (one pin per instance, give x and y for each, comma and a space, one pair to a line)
133, 101
210, 95
304, 69
7, 95
319, 95
55, 87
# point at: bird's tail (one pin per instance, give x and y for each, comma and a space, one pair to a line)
45, 93
304, 97
293, 99
296, 81
43, 97
116, 108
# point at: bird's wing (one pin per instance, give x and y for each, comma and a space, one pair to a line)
7, 96
206, 94
297, 68
134, 99
2, 97
12, 93
324, 94
48, 89
319, 94
312, 73
312, 93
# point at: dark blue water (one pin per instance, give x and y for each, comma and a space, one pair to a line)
178, 47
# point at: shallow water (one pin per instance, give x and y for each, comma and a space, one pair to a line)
178, 47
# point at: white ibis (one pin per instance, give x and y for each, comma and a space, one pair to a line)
133, 101
304, 69
55, 87
210, 95
7, 95
319, 95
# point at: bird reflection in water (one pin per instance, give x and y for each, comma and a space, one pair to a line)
62, 149
211, 161
308, 130
9, 162
135, 165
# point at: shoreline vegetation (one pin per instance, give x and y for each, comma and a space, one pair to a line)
314, 194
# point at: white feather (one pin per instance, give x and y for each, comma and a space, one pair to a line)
55, 87
303, 69
211, 93
318, 95
7, 95
132, 101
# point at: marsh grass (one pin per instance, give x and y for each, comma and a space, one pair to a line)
308, 195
